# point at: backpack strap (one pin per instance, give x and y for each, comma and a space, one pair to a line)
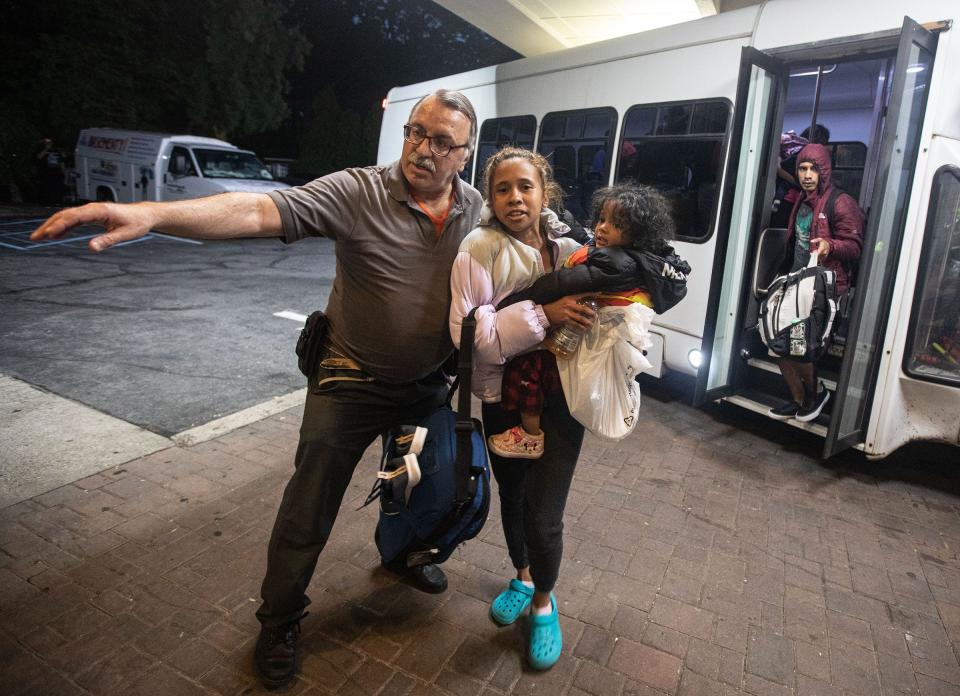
829, 208
466, 484
466, 480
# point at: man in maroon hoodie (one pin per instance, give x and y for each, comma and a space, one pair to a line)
837, 239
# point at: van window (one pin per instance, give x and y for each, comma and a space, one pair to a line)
231, 164
496, 133
933, 344
577, 143
181, 164
678, 149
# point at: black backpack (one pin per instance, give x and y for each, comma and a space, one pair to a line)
450, 503
797, 315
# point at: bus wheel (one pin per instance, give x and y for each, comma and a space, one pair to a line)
104, 194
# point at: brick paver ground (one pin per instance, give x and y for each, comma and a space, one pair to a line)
702, 558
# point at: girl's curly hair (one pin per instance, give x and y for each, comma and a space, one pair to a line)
551, 188
641, 212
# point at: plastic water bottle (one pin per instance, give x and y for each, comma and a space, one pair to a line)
564, 341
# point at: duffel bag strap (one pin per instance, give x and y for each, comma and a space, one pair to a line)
464, 489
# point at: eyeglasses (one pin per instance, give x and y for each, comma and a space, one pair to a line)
439, 145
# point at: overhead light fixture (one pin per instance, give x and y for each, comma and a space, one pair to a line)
918, 67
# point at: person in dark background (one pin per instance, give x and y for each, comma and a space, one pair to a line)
49, 166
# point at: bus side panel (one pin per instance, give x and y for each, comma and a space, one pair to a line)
946, 118
786, 23
913, 409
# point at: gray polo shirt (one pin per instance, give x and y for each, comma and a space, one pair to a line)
391, 296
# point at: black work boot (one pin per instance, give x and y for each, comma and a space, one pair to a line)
275, 657
427, 577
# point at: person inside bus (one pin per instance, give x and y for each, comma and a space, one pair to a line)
836, 236
513, 246
788, 190
394, 251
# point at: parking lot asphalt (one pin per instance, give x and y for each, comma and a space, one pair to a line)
165, 333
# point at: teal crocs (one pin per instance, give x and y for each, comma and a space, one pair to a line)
510, 603
546, 640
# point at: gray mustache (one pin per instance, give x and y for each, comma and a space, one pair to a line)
424, 162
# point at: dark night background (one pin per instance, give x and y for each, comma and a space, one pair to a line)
302, 79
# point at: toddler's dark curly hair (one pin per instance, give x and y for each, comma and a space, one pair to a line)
639, 211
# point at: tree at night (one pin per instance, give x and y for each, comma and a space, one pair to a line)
295, 78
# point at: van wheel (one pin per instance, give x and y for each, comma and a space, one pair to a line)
104, 194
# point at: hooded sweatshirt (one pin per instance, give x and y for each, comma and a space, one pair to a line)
846, 235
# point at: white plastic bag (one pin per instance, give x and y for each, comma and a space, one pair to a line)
598, 381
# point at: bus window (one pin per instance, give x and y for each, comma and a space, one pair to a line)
639, 122
674, 120
849, 159
496, 133
934, 340
577, 144
678, 149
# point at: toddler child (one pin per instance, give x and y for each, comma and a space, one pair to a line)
627, 261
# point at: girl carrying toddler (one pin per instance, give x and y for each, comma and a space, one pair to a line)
628, 261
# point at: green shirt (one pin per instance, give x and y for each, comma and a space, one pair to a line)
801, 232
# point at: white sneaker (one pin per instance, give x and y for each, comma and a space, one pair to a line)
517, 443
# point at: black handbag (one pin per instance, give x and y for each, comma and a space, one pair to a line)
311, 342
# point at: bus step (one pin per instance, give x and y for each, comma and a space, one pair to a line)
761, 403
770, 366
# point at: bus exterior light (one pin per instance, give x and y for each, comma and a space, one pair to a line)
695, 358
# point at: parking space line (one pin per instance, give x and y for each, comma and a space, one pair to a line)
21, 222
23, 236
131, 241
289, 314
175, 238
55, 242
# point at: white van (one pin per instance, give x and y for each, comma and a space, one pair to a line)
129, 166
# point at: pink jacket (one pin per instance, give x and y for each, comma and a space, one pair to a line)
489, 266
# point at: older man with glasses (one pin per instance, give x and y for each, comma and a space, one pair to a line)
397, 229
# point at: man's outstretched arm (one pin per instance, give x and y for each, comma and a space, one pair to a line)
226, 216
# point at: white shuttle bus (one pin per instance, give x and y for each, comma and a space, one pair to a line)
697, 111
130, 166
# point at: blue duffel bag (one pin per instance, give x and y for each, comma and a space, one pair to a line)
450, 503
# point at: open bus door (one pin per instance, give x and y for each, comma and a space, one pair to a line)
750, 171
746, 192
883, 237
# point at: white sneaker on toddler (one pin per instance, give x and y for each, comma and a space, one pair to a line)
517, 443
